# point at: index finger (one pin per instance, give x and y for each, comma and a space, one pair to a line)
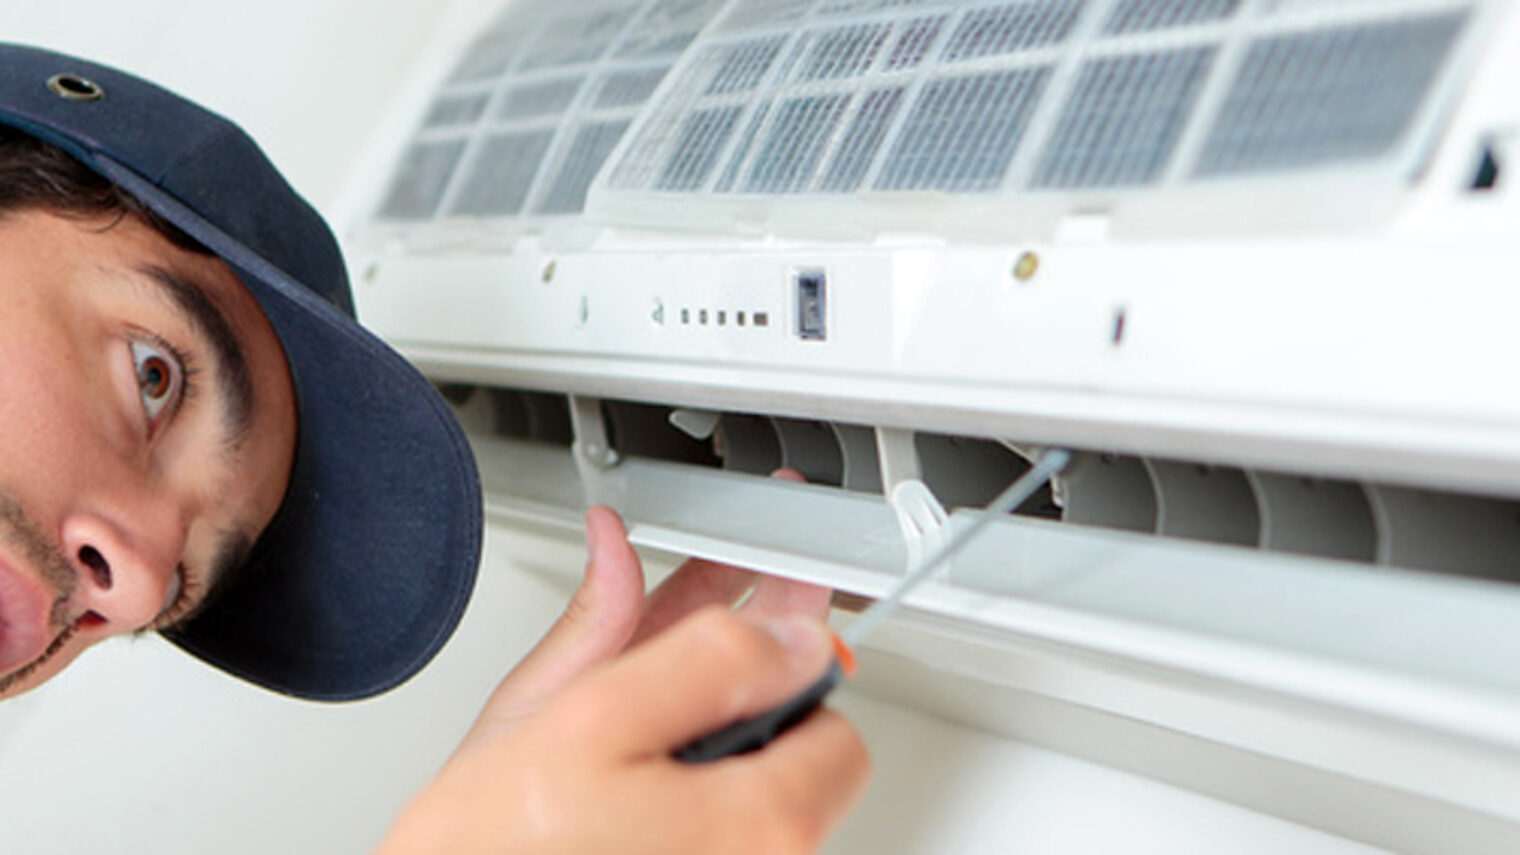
704, 673
698, 582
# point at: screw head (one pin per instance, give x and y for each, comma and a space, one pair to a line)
1026, 267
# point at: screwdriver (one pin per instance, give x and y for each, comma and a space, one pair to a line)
754, 733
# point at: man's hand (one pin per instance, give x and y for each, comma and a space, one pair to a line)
572, 752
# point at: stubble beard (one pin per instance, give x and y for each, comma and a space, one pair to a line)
47, 561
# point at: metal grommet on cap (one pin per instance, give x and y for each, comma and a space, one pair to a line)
72, 87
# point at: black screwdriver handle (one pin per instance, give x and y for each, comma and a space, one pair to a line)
756, 732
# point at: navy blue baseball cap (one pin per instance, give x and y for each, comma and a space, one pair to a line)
367, 567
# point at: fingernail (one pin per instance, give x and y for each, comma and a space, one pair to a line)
802, 637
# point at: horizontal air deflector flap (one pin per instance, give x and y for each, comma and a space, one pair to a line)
1428, 651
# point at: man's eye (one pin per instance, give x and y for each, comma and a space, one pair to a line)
159, 378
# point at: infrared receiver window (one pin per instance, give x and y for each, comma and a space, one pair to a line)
809, 289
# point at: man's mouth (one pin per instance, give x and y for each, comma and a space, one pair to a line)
26, 609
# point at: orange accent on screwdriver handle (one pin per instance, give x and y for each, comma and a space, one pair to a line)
843, 655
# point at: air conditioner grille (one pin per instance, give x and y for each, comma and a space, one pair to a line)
536, 106
420, 179
843, 52
745, 16
1119, 112
1342, 94
627, 88
1138, 16
702, 139
592, 144
824, 99
1009, 28
746, 143
455, 110
796, 143
576, 38
914, 41
962, 132
741, 67
1122, 123
502, 173
868, 127
538, 98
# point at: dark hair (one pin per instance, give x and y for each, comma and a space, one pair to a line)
35, 175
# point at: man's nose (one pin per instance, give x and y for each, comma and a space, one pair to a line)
127, 566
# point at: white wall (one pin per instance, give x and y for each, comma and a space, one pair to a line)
309, 80
139, 749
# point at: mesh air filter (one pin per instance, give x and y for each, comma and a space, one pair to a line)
541, 99
702, 139
797, 137
583, 160
502, 173
1123, 119
1010, 27
421, 178
1036, 95
828, 98
1136, 16
1341, 94
963, 131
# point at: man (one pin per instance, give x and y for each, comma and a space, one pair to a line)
197, 439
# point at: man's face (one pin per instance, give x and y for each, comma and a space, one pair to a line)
147, 430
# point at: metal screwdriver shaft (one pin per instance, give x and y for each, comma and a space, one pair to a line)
1044, 468
754, 733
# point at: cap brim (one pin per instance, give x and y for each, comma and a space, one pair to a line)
369, 565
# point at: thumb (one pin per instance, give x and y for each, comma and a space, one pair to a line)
595, 626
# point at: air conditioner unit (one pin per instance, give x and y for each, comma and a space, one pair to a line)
1256, 261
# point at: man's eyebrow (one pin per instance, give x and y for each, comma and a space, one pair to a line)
236, 389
